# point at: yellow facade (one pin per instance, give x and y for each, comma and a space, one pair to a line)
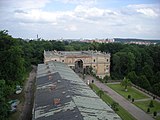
100, 62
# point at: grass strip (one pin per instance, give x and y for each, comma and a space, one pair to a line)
125, 115
131, 91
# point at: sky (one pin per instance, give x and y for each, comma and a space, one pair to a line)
80, 19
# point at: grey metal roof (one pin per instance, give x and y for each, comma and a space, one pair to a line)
76, 101
74, 53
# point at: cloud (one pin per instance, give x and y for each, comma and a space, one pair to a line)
148, 12
20, 11
79, 2
85, 19
71, 28
93, 14
25, 4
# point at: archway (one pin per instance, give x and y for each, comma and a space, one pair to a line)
79, 66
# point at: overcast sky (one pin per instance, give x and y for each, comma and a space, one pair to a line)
52, 19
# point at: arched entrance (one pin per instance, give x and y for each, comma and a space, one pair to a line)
79, 66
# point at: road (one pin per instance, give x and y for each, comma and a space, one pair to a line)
131, 108
29, 94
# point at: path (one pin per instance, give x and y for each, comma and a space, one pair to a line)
145, 99
29, 94
131, 108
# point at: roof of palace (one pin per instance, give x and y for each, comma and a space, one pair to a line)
75, 53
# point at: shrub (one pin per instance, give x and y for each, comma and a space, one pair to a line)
154, 113
114, 106
129, 96
151, 104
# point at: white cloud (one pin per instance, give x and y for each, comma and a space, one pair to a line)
86, 19
23, 4
148, 12
40, 16
80, 2
94, 14
71, 28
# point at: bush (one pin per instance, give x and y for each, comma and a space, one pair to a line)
151, 104
114, 106
129, 97
154, 113
148, 110
106, 78
154, 97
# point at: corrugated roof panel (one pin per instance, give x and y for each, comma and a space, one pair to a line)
62, 95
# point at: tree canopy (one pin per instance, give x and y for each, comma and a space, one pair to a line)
138, 63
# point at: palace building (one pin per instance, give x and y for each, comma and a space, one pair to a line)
82, 61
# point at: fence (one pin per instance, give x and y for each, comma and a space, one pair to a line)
149, 93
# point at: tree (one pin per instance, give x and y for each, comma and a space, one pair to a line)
147, 71
69, 48
106, 78
100, 93
143, 82
3, 102
156, 88
148, 110
151, 104
123, 63
126, 83
115, 106
129, 97
154, 113
132, 76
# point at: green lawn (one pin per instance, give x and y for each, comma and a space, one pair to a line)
145, 104
158, 118
125, 115
131, 91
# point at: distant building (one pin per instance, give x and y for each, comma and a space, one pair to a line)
81, 61
61, 95
141, 42
100, 41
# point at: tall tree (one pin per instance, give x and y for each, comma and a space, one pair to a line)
144, 83
133, 77
126, 82
3, 103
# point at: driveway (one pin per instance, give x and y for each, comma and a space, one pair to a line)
29, 94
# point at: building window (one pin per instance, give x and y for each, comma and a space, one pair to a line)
107, 60
94, 60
